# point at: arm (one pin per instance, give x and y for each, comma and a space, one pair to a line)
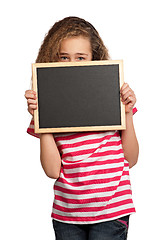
129, 141
49, 156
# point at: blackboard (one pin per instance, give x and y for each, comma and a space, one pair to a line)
78, 96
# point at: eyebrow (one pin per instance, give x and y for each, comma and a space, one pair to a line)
64, 53
82, 54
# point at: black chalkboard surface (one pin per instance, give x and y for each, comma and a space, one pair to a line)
78, 96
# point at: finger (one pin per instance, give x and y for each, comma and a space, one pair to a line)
130, 100
32, 107
29, 93
125, 85
127, 94
125, 89
30, 96
31, 101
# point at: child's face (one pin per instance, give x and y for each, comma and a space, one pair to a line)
75, 49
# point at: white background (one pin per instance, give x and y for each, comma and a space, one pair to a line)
132, 31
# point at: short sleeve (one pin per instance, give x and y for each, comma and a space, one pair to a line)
134, 110
30, 129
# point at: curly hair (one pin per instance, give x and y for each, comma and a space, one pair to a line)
71, 27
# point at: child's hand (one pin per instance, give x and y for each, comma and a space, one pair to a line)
31, 101
127, 97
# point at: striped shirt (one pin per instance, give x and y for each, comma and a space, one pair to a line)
94, 183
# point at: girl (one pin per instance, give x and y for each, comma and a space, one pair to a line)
92, 192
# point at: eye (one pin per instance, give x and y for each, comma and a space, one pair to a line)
81, 58
63, 58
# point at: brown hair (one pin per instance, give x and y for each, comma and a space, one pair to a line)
70, 27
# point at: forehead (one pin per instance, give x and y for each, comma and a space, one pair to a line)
76, 44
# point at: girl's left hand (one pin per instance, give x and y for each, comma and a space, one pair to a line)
127, 97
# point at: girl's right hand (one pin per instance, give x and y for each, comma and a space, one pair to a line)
31, 97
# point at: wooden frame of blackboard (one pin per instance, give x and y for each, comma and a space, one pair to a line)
35, 69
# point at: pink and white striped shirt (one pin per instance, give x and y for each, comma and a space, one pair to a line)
94, 183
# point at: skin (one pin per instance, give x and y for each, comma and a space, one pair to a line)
79, 49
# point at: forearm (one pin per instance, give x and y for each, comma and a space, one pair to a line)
49, 155
129, 141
